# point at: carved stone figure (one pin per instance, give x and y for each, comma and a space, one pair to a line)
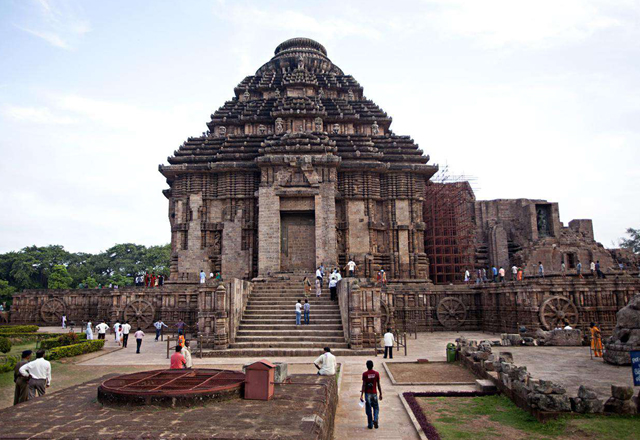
222, 130
300, 62
277, 94
321, 93
336, 128
246, 95
350, 95
318, 124
279, 126
626, 334
375, 129
262, 129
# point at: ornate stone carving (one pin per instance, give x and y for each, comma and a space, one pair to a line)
375, 129
279, 126
277, 94
336, 128
262, 129
318, 124
246, 95
350, 95
222, 130
321, 93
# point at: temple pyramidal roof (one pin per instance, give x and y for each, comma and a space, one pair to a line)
299, 102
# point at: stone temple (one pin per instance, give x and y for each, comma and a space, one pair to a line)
300, 169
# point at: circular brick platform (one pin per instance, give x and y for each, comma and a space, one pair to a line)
171, 387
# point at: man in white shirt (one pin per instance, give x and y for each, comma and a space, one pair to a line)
138, 335
319, 275
39, 374
298, 312
333, 285
389, 340
126, 328
158, 325
186, 352
203, 277
326, 363
102, 330
351, 268
514, 272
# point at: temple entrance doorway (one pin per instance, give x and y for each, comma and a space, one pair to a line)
297, 241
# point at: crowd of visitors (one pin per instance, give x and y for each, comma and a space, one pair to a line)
149, 280
498, 274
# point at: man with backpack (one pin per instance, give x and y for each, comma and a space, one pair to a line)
369, 394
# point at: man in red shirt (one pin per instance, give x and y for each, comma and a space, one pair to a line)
177, 359
368, 394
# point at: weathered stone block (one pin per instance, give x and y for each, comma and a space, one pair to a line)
621, 392
549, 402
548, 387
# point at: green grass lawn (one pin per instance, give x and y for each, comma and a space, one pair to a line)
496, 416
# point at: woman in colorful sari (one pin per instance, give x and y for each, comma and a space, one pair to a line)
596, 340
307, 287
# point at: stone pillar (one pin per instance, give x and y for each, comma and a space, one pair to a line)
221, 335
268, 231
355, 317
403, 220
325, 219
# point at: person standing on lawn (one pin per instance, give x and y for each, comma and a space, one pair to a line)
21, 393
138, 335
126, 328
369, 394
39, 374
389, 340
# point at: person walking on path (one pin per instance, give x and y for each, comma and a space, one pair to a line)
389, 340
484, 275
298, 312
369, 394
64, 321
186, 352
89, 331
514, 272
598, 271
351, 268
203, 277
563, 269
592, 267
39, 374
520, 273
494, 272
102, 330
333, 286
307, 308
318, 288
579, 270
180, 325
126, 328
116, 327
21, 393
596, 340
118, 330
158, 325
178, 361
502, 274
326, 363
139, 334
540, 269
307, 287
467, 275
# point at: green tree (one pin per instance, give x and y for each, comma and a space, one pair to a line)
633, 242
120, 280
6, 292
59, 278
90, 283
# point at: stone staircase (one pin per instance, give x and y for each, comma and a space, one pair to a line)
268, 325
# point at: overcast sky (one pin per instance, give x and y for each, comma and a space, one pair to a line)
534, 99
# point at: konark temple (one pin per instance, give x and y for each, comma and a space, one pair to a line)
300, 169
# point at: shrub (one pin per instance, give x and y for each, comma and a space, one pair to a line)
65, 339
11, 329
5, 344
75, 349
9, 363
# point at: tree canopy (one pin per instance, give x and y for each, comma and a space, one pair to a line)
36, 267
633, 242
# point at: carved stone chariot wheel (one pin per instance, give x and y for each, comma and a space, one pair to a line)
451, 312
52, 310
139, 313
556, 310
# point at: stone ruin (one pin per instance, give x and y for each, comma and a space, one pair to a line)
557, 337
626, 334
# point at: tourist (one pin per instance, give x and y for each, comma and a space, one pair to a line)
319, 275
478, 276
467, 275
180, 325
318, 288
218, 276
598, 271
326, 363
567, 326
161, 280
152, 281
351, 268
596, 340
102, 330
178, 361
211, 275
64, 321
146, 279
322, 270
502, 273
389, 340
540, 269
89, 331
514, 272
484, 275
116, 331
381, 278
298, 312
579, 270
520, 273
21, 393
139, 334
494, 272
333, 283
307, 287
126, 328
307, 309
368, 394
186, 352
592, 267
203, 277
158, 325
39, 374
181, 339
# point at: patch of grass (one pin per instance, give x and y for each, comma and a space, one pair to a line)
608, 427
